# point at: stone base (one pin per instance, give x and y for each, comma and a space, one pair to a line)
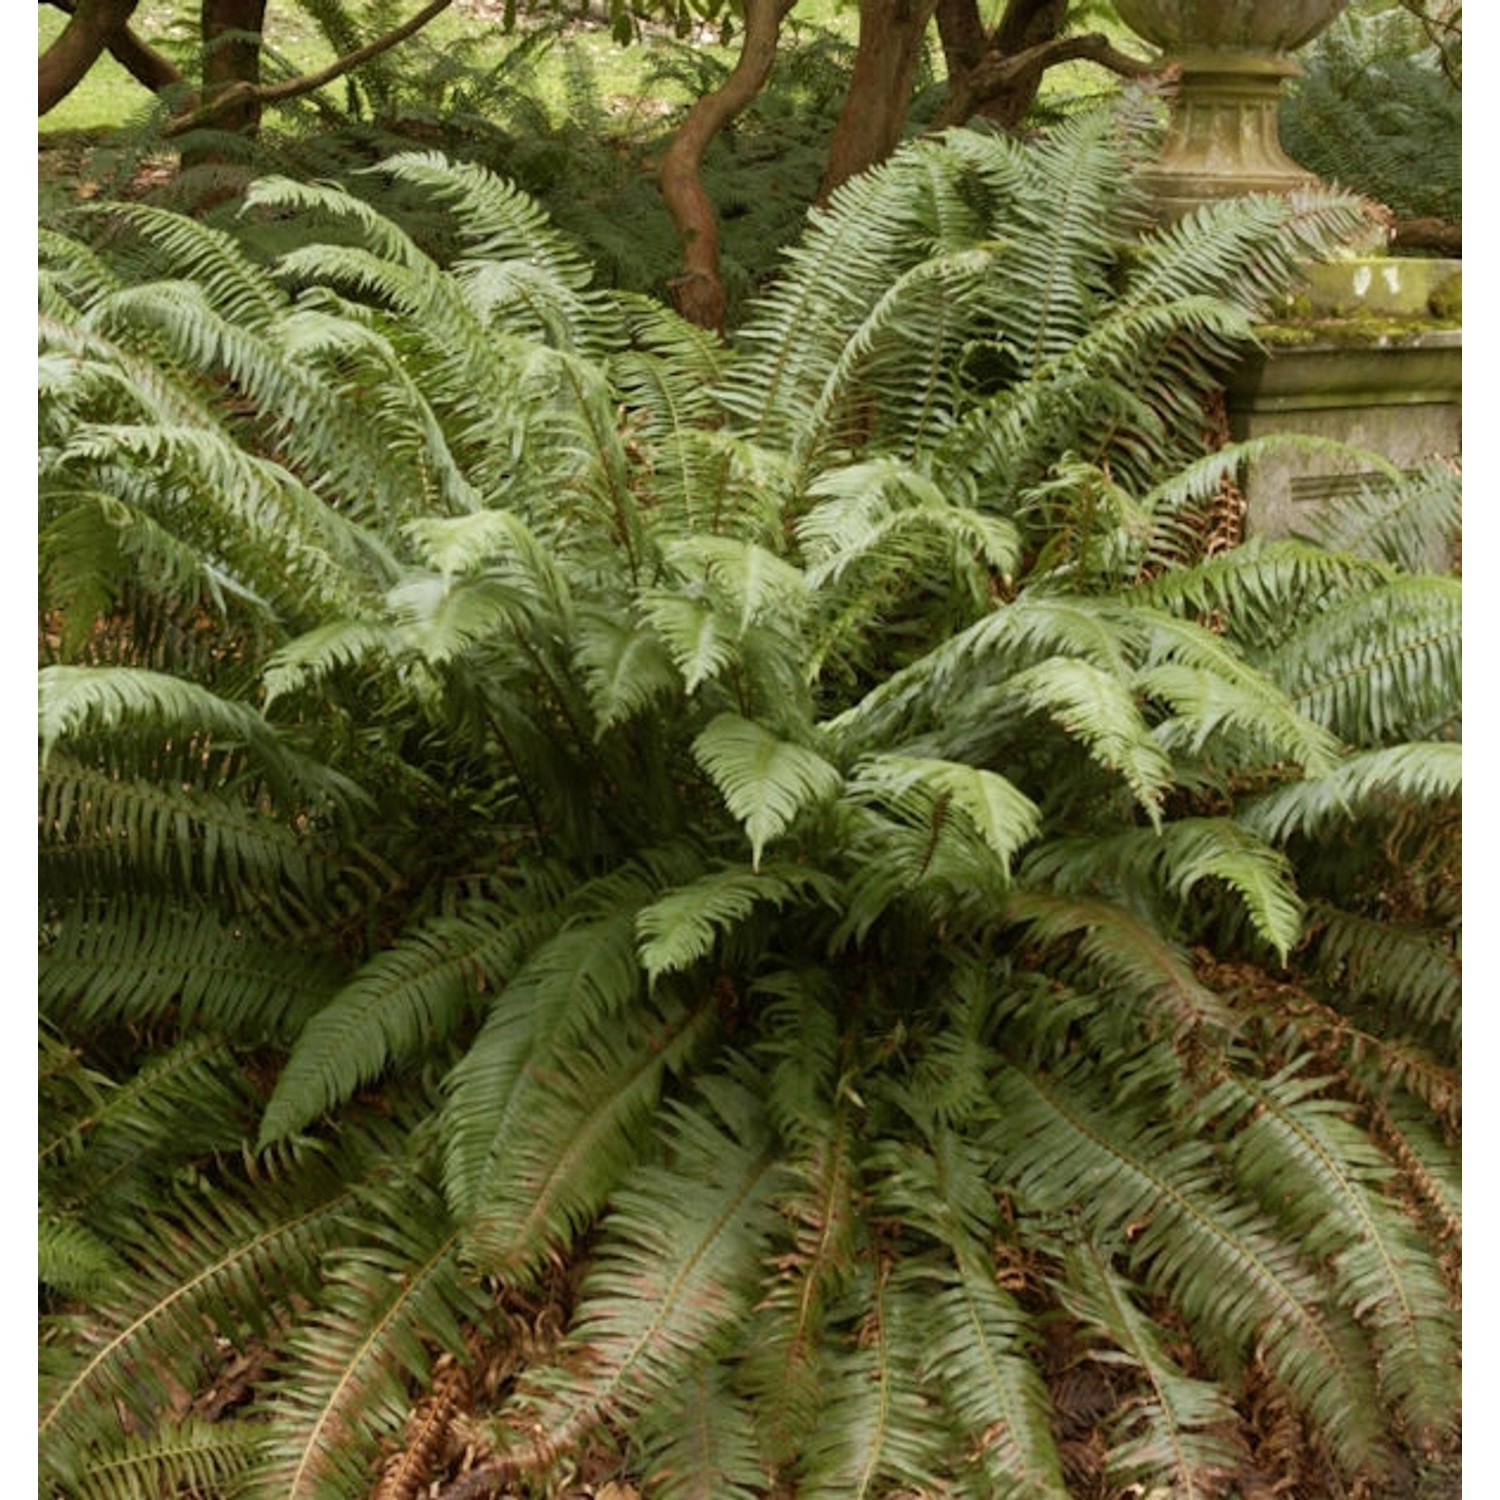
1398, 394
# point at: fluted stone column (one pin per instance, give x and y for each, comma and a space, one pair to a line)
1233, 57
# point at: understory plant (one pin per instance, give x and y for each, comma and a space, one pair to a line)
774, 920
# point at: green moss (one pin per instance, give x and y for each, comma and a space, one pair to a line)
1358, 329
1447, 300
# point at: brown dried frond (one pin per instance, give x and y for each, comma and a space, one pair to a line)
1284, 1462
408, 1473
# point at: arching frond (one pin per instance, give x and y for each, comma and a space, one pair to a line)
1223, 1264
1413, 774
1179, 1430
403, 1000
766, 782
207, 1262
674, 1270
389, 1291
1322, 1176
1382, 666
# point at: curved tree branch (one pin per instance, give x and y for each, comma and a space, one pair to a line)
239, 95
995, 74
61, 68
698, 292
143, 62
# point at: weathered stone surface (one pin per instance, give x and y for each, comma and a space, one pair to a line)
1389, 386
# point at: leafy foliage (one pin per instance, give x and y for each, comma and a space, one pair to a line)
1378, 110
759, 905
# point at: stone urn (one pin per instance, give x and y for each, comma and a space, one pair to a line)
1232, 57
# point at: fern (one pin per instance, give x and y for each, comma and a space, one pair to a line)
762, 899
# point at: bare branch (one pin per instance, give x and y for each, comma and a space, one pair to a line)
143, 62
995, 73
306, 83
61, 68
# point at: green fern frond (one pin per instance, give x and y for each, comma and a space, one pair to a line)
107, 1160
582, 976
1412, 774
1177, 857
1181, 1430
1382, 666
1122, 949
210, 258
698, 1443
1324, 1177
101, 829
588, 1104
152, 958
72, 1259
389, 1291
1403, 522
1407, 972
977, 1352
190, 1457
1241, 1285
879, 1430
1260, 589
403, 1001
674, 1272
625, 665
206, 1263
912, 787
1096, 708
1212, 691
766, 782
685, 923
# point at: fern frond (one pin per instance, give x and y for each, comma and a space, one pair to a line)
625, 665
72, 1259
674, 1271
1184, 852
879, 1430
1382, 666
912, 787
402, 1001
977, 1351
684, 924
101, 829
1181, 1430
208, 1262
1212, 691
588, 1104
1323, 1176
389, 1291
1124, 950
1407, 972
1403, 522
1240, 1285
210, 258
766, 782
698, 1443
108, 1160
190, 1457
1411, 774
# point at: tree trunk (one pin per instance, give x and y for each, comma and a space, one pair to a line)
62, 66
698, 292
230, 63
962, 33
885, 64
1025, 24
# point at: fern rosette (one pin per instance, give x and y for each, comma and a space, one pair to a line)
765, 917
